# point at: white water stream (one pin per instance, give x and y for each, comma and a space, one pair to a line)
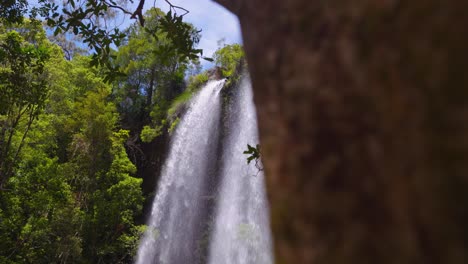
210, 205
242, 230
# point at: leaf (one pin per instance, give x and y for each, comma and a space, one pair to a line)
208, 59
169, 15
250, 148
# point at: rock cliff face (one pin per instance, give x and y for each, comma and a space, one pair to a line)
215, 73
362, 112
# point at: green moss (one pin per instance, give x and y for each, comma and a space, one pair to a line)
173, 125
196, 81
178, 102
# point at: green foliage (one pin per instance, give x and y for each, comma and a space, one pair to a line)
155, 75
253, 152
173, 125
70, 196
110, 197
89, 19
148, 134
12, 11
228, 57
72, 17
40, 215
179, 102
254, 155
68, 191
23, 91
196, 81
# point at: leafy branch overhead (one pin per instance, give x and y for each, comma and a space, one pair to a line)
91, 20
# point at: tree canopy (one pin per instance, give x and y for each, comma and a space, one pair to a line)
73, 127
92, 20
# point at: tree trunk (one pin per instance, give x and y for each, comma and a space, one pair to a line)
363, 120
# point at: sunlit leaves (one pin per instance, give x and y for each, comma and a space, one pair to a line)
72, 177
148, 133
83, 20
23, 92
228, 58
155, 74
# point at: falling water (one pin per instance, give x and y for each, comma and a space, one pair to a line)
242, 231
210, 205
180, 207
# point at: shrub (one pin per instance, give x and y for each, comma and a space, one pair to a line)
148, 133
228, 57
196, 81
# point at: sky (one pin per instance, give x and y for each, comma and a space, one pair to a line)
214, 20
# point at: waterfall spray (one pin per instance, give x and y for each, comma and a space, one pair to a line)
242, 230
179, 208
188, 226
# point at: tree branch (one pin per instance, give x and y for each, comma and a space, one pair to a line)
178, 7
120, 8
139, 13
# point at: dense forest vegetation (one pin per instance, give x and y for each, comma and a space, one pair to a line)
70, 140
362, 111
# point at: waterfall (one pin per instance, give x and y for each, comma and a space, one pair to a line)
210, 205
242, 231
176, 223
